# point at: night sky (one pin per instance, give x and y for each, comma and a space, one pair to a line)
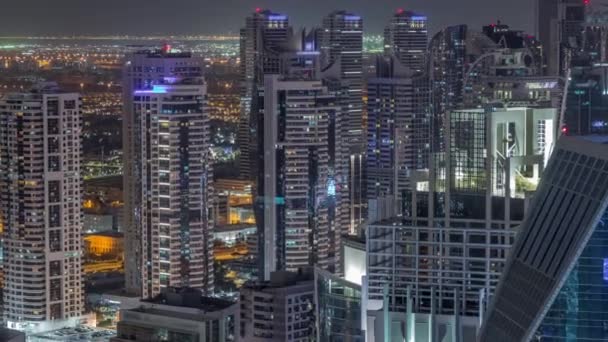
156, 17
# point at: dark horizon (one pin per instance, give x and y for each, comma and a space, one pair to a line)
184, 17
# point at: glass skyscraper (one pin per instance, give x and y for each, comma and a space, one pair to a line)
580, 309
553, 287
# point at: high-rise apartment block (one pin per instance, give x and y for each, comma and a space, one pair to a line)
341, 48
261, 40
406, 37
398, 127
167, 174
40, 212
299, 135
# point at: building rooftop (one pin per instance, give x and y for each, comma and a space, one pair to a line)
354, 240
36, 92
164, 53
7, 334
190, 298
79, 333
403, 13
280, 279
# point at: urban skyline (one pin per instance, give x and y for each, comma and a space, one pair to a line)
310, 184
203, 16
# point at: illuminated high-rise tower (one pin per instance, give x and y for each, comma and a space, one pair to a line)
341, 47
299, 132
263, 37
450, 54
40, 212
167, 174
398, 127
406, 37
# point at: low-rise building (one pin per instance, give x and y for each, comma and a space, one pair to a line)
178, 314
278, 310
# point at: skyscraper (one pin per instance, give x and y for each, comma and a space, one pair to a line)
553, 287
341, 47
398, 127
296, 188
546, 17
40, 192
447, 53
451, 242
406, 37
265, 34
450, 54
167, 174
586, 101
559, 27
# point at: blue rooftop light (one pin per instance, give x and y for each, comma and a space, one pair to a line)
277, 17
352, 17
419, 17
